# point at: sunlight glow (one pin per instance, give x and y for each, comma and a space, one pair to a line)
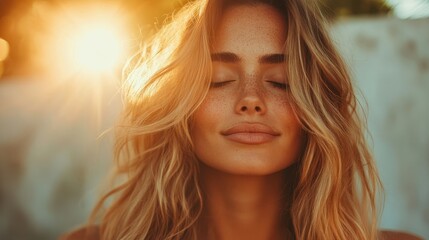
96, 48
88, 41
4, 52
4, 49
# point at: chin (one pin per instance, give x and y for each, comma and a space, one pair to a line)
248, 164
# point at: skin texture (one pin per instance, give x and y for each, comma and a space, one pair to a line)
243, 177
245, 90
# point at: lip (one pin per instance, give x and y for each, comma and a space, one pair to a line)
250, 133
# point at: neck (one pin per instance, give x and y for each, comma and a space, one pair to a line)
244, 207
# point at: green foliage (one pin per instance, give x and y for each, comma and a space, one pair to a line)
338, 8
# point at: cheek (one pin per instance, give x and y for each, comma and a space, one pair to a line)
208, 117
282, 99
288, 120
208, 112
204, 127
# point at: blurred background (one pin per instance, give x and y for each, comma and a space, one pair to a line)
60, 69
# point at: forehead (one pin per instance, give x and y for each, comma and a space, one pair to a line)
250, 26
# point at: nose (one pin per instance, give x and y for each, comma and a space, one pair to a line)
250, 102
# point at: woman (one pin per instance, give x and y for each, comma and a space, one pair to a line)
240, 122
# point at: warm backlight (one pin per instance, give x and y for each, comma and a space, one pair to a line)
96, 48
4, 49
87, 40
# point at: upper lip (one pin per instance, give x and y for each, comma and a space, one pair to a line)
250, 128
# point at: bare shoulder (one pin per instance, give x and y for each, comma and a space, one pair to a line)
398, 235
83, 233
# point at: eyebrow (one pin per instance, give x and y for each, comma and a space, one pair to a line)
229, 57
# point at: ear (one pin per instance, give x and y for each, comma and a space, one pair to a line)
397, 235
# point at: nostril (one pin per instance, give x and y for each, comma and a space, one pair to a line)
243, 108
257, 109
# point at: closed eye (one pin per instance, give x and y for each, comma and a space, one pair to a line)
280, 85
220, 84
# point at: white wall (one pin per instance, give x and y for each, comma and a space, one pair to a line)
53, 153
52, 158
389, 59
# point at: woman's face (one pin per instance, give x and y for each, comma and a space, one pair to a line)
246, 124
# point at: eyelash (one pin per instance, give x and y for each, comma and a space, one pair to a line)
219, 84
283, 86
279, 85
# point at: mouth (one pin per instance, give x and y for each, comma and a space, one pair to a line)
250, 133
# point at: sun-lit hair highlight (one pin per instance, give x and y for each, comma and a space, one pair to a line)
159, 197
338, 176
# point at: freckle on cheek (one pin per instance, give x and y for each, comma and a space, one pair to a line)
216, 104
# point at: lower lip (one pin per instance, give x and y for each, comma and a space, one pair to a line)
251, 138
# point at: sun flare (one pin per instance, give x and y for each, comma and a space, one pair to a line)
88, 41
96, 48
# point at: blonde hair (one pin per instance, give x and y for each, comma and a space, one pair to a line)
160, 198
